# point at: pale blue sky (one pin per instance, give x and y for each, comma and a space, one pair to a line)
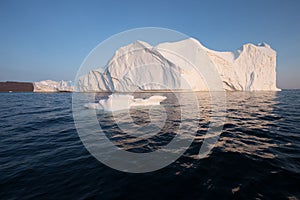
49, 39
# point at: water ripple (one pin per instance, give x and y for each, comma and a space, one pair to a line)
256, 157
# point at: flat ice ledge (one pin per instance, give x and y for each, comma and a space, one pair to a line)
117, 102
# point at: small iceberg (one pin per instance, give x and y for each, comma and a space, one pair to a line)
116, 102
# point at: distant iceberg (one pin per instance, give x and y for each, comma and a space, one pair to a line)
53, 86
117, 102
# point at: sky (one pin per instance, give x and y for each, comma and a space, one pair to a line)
49, 39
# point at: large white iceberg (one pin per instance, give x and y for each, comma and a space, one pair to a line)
117, 102
251, 68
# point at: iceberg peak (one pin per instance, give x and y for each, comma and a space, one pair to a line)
263, 44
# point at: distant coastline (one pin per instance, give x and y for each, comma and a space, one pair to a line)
14, 86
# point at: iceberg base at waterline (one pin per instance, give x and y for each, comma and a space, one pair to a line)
117, 102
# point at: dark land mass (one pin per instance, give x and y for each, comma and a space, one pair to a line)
16, 87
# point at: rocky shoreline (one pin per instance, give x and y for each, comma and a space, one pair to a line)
11, 86
42, 86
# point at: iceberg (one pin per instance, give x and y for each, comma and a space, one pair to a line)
53, 86
117, 102
250, 68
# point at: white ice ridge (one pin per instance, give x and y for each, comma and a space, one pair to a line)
117, 102
251, 68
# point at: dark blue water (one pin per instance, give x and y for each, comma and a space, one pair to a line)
256, 157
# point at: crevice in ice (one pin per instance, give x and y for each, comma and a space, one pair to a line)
231, 86
250, 82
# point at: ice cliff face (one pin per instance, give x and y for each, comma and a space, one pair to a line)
53, 86
175, 65
248, 69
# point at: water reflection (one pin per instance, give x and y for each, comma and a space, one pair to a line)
252, 127
247, 128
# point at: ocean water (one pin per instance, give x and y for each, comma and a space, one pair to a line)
256, 157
